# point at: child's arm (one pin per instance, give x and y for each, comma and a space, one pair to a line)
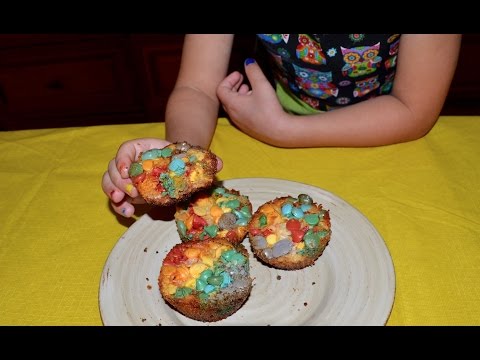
192, 108
426, 64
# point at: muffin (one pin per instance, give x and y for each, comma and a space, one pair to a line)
216, 213
172, 174
206, 280
290, 233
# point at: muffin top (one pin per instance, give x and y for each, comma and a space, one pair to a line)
290, 232
216, 213
172, 174
204, 269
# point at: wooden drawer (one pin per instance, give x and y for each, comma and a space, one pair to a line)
69, 80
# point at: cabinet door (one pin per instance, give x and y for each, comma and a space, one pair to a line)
66, 84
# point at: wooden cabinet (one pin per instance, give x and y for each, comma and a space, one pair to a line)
75, 80
65, 84
464, 95
58, 80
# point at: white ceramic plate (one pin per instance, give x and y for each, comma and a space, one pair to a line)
352, 283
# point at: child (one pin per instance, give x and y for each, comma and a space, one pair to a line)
330, 90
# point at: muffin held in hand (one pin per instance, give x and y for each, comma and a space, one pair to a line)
290, 233
216, 213
172, 174
206, 280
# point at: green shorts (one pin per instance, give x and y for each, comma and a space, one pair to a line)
293, 104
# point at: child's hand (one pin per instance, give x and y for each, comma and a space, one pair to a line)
116, 183
257, 112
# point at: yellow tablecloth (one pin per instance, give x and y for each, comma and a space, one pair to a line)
57, 229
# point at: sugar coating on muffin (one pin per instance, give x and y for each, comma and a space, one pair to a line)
290, 232
206, 280
216, 213
172, 174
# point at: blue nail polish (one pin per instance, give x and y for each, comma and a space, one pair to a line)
249, 61
124, 211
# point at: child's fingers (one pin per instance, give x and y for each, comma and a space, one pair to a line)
244, 89
255, 74
126, 154
123, 208
120, 184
